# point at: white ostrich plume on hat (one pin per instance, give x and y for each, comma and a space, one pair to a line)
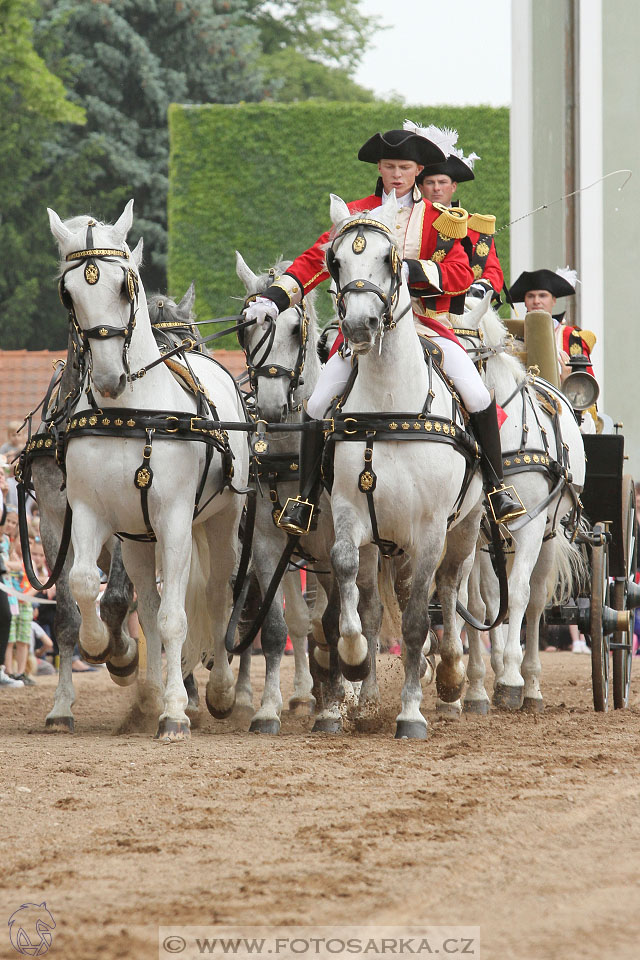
568, 274
444, 137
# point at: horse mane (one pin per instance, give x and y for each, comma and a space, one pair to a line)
503, 365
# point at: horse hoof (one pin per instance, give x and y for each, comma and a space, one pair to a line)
60, 724
507, 698
216, 711
533, 705
95, 658
124, 676
354, 672
448, 710
173, 731
478, 707
410, 730
269, 725
302, 706
327, 725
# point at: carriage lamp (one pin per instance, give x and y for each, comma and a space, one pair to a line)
580, 388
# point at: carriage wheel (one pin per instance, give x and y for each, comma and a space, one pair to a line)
622, 654
599, 642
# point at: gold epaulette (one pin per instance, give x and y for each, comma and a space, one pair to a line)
452, 221
482, 222
589, 338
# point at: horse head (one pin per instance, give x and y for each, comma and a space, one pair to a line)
278, 353
364, 262
100, 287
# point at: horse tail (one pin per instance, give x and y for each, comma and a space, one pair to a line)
569, 570
198, 640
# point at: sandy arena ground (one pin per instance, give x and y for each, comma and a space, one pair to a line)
526, 826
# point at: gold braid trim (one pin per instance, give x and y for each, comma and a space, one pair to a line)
589, 338
483, 223
452, 221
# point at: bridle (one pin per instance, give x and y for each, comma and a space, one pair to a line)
130, 287
390, 298
257, 357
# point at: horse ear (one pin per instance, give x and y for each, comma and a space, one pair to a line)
58, 228
136, 253
245, 273
123, 223
186, 304
338, 209
478, 310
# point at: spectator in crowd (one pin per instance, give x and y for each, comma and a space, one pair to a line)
6, 682
19, 643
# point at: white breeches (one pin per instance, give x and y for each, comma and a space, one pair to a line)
456, 364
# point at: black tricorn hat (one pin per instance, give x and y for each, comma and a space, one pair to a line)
453, 167
400, 145
540, 280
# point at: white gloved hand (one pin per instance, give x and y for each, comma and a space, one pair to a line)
405, 272
260, 309
477, 290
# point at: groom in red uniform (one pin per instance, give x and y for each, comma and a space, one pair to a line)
436, 268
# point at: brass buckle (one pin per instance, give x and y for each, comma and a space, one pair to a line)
290, 527
196, 429
330, 429
172, 429
350, 420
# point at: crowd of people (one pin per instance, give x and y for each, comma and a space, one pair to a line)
28, 646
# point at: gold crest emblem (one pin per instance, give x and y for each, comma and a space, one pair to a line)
82, 422
131, 423
366, 480
358, 244
93, 420
260, 446
477, 271
482, 249
91, 273
273, 371
143, 476
438, 255
103, 331
118, 422
359, 283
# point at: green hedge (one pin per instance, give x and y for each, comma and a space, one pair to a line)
257, 178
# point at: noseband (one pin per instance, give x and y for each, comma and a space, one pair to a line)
358, 246
256, 358
130, 286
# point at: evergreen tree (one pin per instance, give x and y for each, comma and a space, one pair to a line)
32, 103
125, 61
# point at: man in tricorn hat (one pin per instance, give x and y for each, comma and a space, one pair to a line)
436, 268
539, 290
438, 182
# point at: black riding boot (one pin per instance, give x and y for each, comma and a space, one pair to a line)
503, 501
298, 513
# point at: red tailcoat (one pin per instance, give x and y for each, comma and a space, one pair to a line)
455, 275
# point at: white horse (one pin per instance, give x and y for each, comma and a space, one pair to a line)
543, 562
284, 368
284, 365
129, 472
415, 485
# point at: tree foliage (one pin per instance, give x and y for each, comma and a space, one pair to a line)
290, 76
333, 31
33, 106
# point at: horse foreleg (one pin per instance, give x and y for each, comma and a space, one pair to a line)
89, 534
296, 614
476, 699
67, 626
325, 654
531, 666
454, 568
174, 547
116, 601
139, 559
353, 651
410, 723
370, 610
509, 689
